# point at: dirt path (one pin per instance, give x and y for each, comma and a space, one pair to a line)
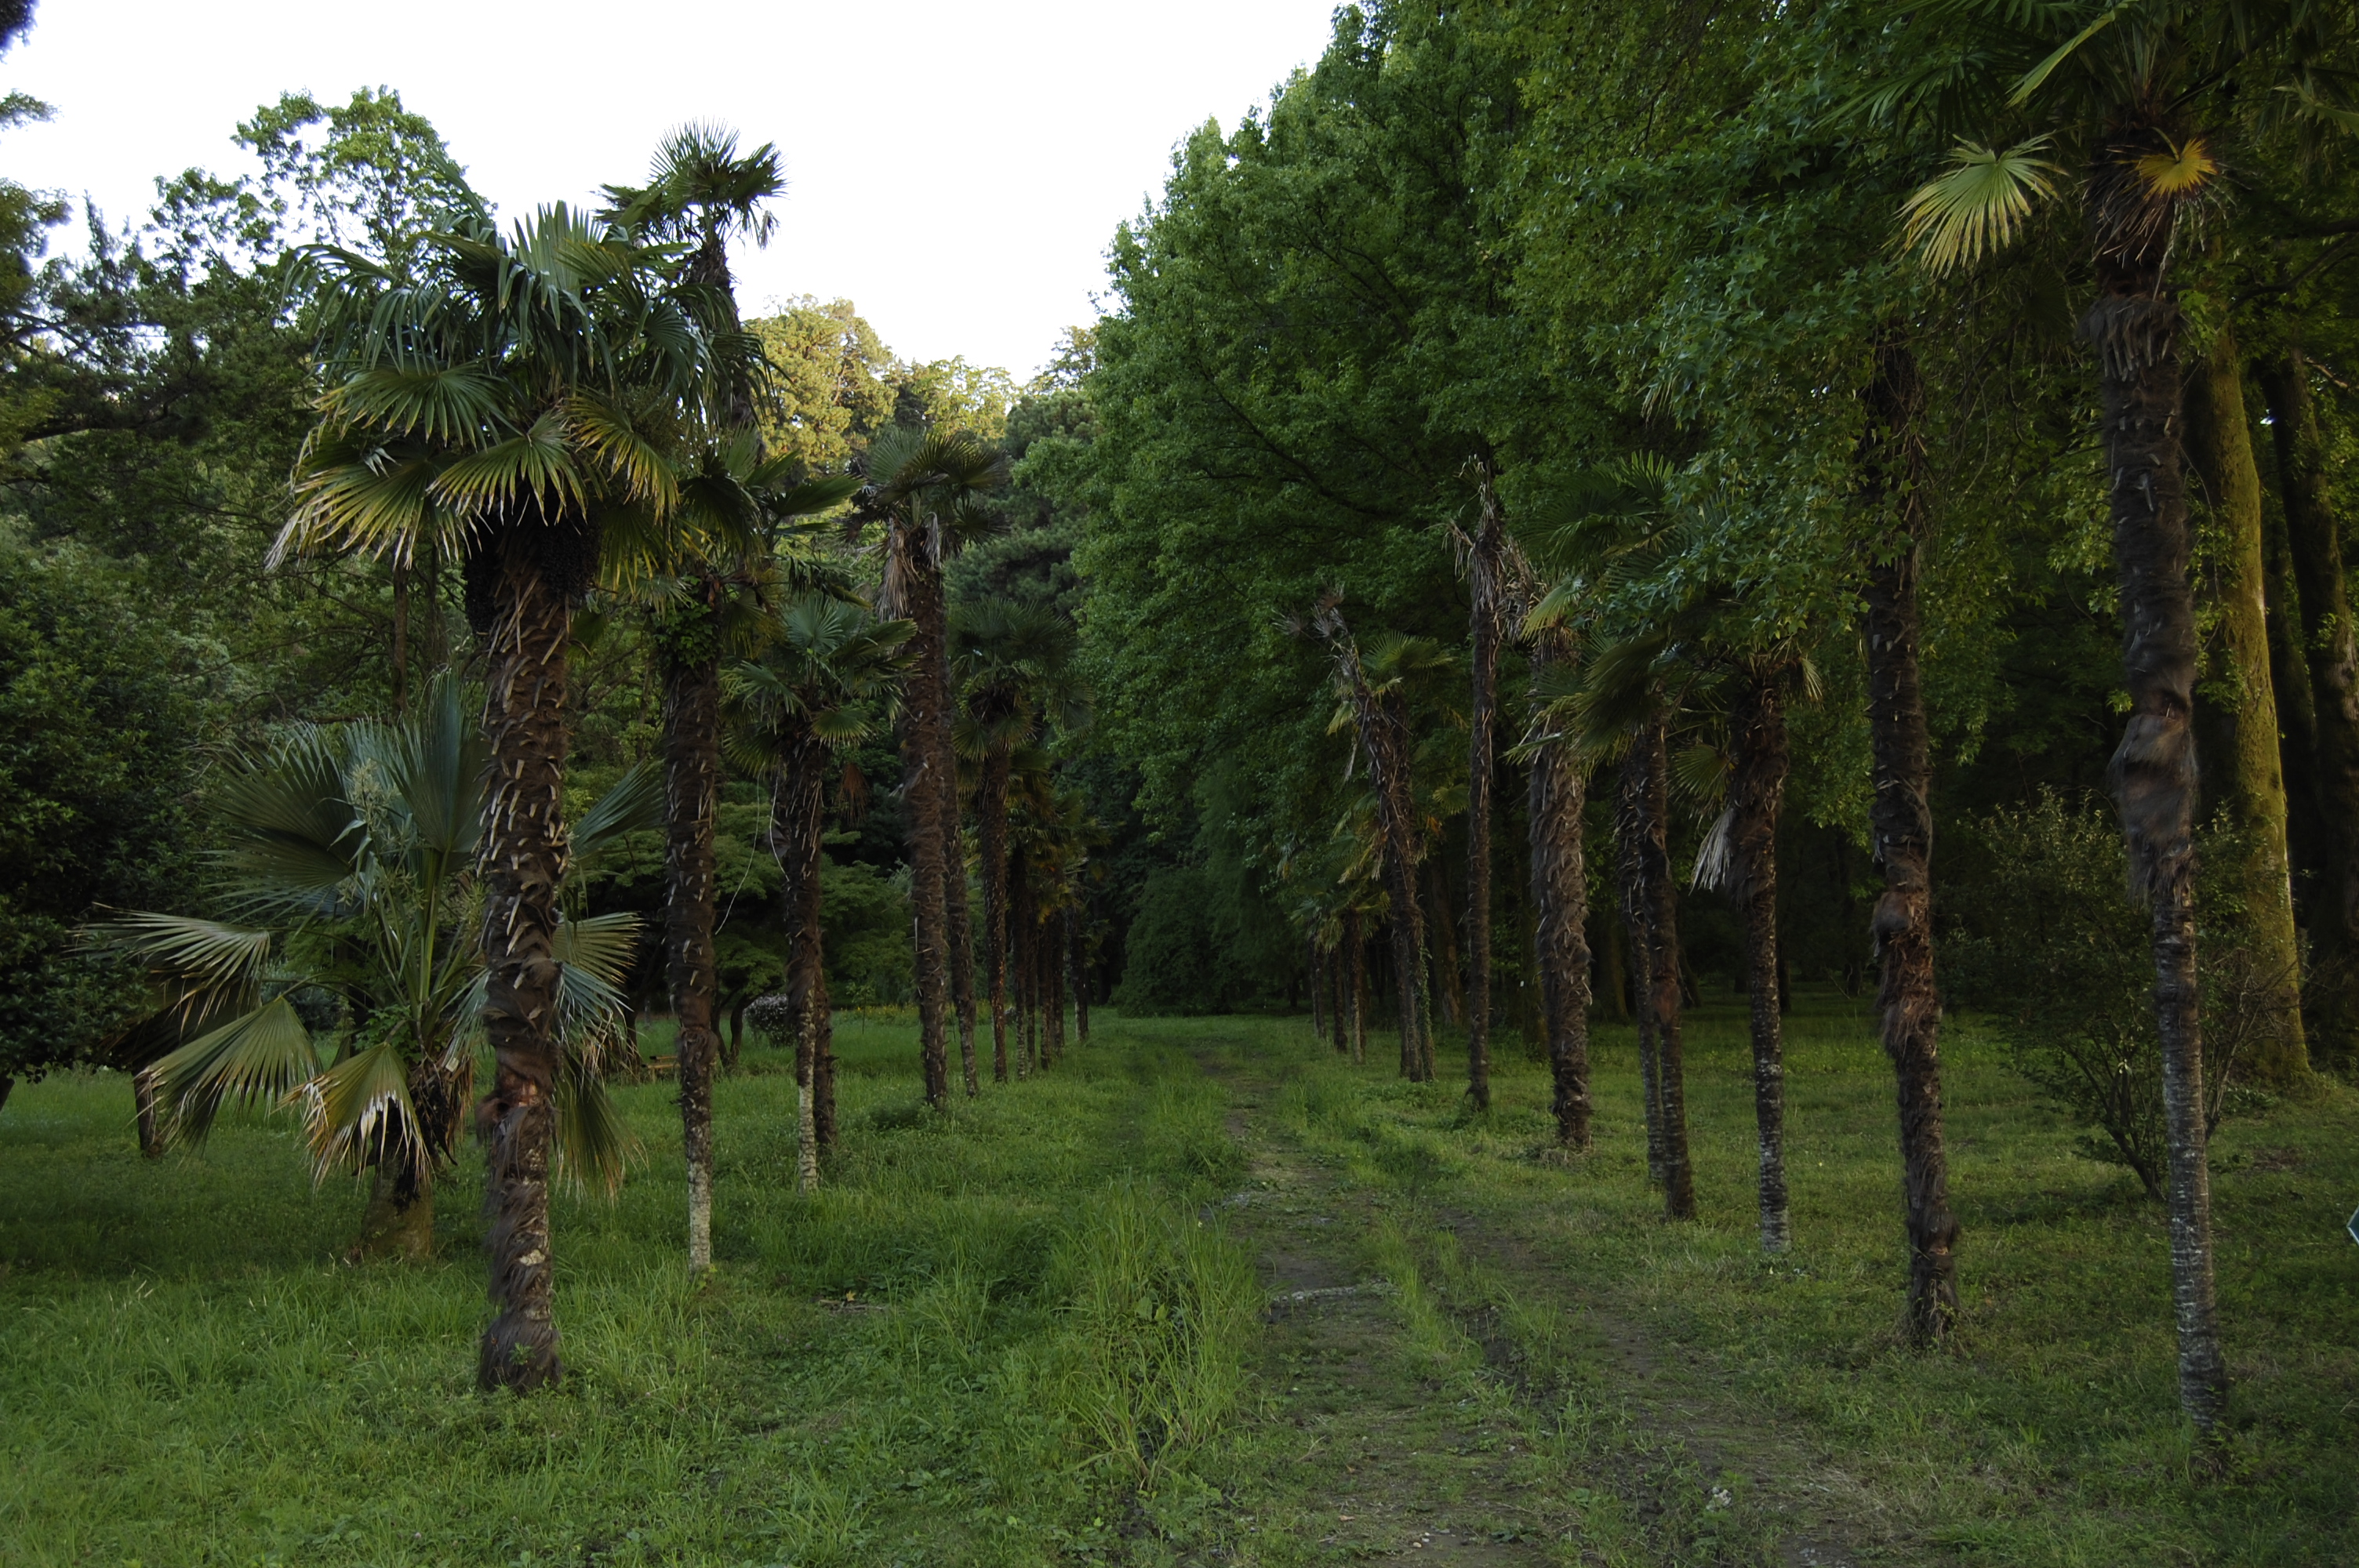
1388, 1458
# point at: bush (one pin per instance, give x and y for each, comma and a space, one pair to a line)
2046, 943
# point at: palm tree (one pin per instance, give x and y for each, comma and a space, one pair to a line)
923, 483
1559, 886
1373, 699
826, 682
1486, 571
700, 191
512, 400
348, 887
2141, 94
1015, 663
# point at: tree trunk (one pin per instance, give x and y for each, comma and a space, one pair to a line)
1756, 795
1448, 985
691, 745
2236, 709
823, 1070
7, 1088
925, 720
993, 827
1560, 923
1318, 1000
796, 806
149, 1122
1630, 833
2133, 327
1892, 470
2325, 635
1081, 960
1356, 941
2306, 836
400, 633
960, 930
1053, 974
1486, 571
1662, 905
399, 1219
524, 862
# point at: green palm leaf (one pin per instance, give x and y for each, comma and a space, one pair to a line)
632, 805
262, 1056
359, 1112
1976, 207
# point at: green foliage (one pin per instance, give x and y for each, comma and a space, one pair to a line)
1168, 963
2048, 944
103, 725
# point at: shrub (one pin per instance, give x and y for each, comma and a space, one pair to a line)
2046, 943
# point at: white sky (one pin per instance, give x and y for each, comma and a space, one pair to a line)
956, 170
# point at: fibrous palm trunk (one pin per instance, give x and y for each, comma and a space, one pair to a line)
1661, 895
2329, 646
1448, 985
1355, 943
1756, 792
993, 811
925, 738
1081, 962
1051, 963
1486, 574
1560, 934
797, 799
1630, 835
530, 618
2237, 707
1893, 472
691, 710
2133, 326
959, 930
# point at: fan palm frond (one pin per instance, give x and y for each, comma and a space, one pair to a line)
1975, 207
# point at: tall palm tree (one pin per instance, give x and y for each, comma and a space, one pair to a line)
827, 680
512, 398
1560, 876
1371, 687
922, 485
700, 192
2145, 97
349, 878
1486, 571
1015, 663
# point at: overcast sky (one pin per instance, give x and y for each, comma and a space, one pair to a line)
954, 169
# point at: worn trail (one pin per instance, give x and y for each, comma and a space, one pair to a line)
1418, 1426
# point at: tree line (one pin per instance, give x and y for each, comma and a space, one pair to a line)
1819, 434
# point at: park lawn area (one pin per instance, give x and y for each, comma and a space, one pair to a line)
1028, 1331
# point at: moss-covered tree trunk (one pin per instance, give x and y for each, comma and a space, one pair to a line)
2241, 767
2328, 645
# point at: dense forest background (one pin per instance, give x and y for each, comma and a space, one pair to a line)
1503, 234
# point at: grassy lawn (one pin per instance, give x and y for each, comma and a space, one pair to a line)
1028, 1332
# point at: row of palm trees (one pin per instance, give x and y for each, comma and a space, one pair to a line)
570, 407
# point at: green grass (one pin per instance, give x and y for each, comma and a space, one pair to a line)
1015, 1333
191, 1377
2052, 1434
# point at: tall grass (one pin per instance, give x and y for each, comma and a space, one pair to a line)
939, 1357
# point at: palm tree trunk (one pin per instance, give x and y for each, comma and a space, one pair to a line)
1892, 470
926, 722
691, 788
1053, 984
1487, 572
960, 930
1081, 960
1662, 907
1447, 986
1317, 1002
2323, 632
2133, 327
1356, 941
993, 826
797, 804
1561, 928
150, 1123
2236, 707
1630, 831
1756, 796
524, 861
